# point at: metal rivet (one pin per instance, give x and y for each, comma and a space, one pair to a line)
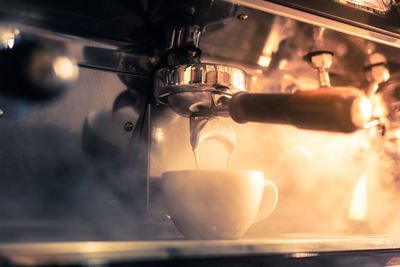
242, 16
128, 126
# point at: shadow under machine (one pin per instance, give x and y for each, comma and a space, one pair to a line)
99, 98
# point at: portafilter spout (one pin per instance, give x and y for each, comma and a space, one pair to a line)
202, 92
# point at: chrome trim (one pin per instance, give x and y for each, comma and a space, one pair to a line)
319, 21
200, 77
46, 253
199, 88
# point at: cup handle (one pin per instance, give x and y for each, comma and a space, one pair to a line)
269, 200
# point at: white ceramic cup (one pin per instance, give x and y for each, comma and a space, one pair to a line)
217, 204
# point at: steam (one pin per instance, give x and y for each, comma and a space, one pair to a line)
45, 175
317, 175
329, 183
358, 205
55, 185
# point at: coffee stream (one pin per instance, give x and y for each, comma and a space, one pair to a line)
215, 128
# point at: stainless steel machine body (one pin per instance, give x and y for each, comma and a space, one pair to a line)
82, 154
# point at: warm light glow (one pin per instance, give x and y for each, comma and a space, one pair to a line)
379, 108
306, 152
386, 76
7, 37
272, 42
187, 75
10, 43
264, 60
288, 77
282, 64
65, 69
358, 204
373, 90
89, 247
158, 134
371, 124
303, 255
238, 80
397, 134
281, 28
361, 111
365, 108
254, 78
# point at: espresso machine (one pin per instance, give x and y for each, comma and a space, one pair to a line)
98, 99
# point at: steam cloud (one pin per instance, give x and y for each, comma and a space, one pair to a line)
52, 189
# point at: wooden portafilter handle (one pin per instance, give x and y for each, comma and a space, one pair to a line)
336, 110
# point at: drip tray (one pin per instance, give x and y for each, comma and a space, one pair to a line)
161, 250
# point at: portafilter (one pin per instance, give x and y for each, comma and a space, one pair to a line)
206, 90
